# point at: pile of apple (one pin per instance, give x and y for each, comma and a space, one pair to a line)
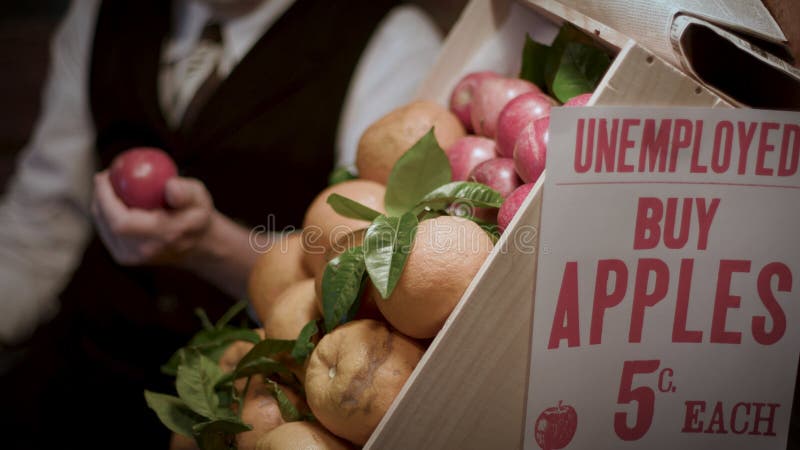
509, 119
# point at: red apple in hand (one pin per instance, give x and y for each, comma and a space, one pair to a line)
491, 97
139, 177
555, 427
530, 150
461, 98
498, 174
518, 113
579, 100
467, 152
511, 205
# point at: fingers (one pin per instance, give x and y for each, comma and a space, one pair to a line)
183, 193
136, 236
118, 218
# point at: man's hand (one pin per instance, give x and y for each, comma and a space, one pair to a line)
139, 237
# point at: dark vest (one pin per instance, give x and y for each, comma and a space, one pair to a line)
263, 145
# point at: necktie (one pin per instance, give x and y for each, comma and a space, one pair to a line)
196, 78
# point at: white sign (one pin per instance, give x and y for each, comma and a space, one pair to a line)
668, 288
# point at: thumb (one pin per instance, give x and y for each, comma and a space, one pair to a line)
182, 193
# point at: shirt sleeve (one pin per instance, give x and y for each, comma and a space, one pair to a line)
44, 220
396, 60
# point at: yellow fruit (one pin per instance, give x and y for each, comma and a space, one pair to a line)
262, 412
354, 375
322, 226
447, 253
281, 266
386, 140
300, 436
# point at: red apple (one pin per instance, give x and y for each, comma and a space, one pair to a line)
511, 205
139, 177
498, 174
467, 152
491, 97
555, 427
461, 98
530, 150
518, 113
579, 100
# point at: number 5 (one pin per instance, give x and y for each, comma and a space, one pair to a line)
644, 396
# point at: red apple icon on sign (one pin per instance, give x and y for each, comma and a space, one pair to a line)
555, 427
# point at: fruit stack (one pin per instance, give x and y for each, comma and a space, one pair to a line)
349, 304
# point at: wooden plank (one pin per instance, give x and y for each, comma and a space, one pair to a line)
468, 392
559, 13
638, 77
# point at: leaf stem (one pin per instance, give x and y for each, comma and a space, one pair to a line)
230, 314
201, 314
244, 394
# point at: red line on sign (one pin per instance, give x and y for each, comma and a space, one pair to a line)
714, 183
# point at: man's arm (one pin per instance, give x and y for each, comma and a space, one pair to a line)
44, 215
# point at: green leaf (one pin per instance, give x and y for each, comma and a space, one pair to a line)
341, 284
173, 412
303, 345
582, 67
262, 365
421, 169
339, 175
465, 192
534, 56
212, 338
195, 383
289, 412
351, 208
219, 434
230, 314
568, 33
211, 343
266, 349
386, 247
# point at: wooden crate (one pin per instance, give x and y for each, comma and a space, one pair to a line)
468, 391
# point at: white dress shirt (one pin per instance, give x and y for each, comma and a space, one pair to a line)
44, 219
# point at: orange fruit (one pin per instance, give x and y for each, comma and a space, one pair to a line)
261, 411
300, 436
322, 226
181, 442
291, 311
446, 255
280, 266
386, 140
233, 354
354, 375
